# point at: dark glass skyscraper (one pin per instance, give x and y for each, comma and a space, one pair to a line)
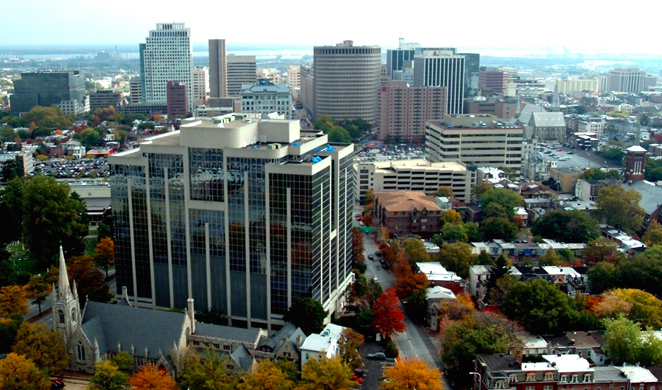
245, 216
65, 89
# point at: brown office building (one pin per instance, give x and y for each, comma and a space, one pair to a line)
218, 69
404, 110
408, 212
177, 99
492, 80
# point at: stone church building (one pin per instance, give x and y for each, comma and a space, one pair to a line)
102, 330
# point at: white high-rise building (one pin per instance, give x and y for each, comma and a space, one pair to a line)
294, 76
442, 68
165, 56
200, 85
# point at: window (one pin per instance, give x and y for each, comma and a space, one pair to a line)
226, 347
564, 379
575, 378
73, 315
548, 387
512, 378
587, 378
80, 352
549, 376
530, 377
530, 387
61, 315
196, 343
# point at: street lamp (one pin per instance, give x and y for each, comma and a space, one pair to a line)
479, 378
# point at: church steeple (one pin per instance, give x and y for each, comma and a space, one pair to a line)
63, 284
66, 308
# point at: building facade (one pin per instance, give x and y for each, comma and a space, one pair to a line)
479, 140
165, 56
408, 212
626, 80
200, 85
548, 126
396, 58
404, 110
66, 89
266, 97
244, 216
413, 175
177, 101
136, 90
578, 85
471, 74
241, 70
218, 69
436, 68
105, 98
635, 163
346, 82
492, 81
294, 76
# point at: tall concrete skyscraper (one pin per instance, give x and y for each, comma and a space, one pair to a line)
241, 70
166, 56
218, 70
395, 59
626, 80
245, 217
442, 68
347, 80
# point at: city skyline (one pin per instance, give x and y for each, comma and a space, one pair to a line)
524, 29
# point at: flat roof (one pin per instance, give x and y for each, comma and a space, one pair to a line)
638, 374
569, 363
419, 164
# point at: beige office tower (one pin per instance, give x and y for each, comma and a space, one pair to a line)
241, 70
346, 82
218, 70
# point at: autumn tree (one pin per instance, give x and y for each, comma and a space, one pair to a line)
104, 253
653, 235
369, 196
450, 216
620, 207
409, 282
444, 191
151, 378
348, 345
636, 305
388, 317
89, 280
325, 374
415, 250
43, 346
368, 219
38, 290
267, 376
20, 373
308, 314
599, 250
357, 246
107, 376
13, 299
412, 374
456, 257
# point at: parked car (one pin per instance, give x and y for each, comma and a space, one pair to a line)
377, 356
371, 257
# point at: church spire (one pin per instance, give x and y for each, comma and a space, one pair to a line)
555, 98
63, 284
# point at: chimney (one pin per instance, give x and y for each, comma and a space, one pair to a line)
191, 314
299, 341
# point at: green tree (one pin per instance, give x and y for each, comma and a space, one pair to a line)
107, 376
484, 259
42, 345
601, 250
505, 198
415, 250
325, 374
89, 138
444, 191
338, 134
8, 329
454, 232
620, 208
308, 314
123, 361
567, 226
498, 228
456, 257
11, 211
599, 174
20, 373
501, 268
482, 189
48, 117
602, 277
324, 123
473, 232
50, 218
653, 235
549, 258
567, 256
206, 372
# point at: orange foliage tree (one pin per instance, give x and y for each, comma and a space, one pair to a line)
368, 219
412, 373
388, 318
19, 372
151, 378
13, 299
357, 246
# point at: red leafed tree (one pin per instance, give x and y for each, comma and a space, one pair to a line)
368, 219
388, 318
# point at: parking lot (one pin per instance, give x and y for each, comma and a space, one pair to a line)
64, 169
568, 157
391, 152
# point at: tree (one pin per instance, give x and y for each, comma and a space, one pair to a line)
549, 258
7, 134
348, 345
388, 318
482, 189
498, 228
20, 373
622, 340
89, 138
11, 210
339, 134
308, 314
50, 218
456, 257
603, 276
325, 374
620, 208
601, 250
473, 232
123, 361
48, 117
358, 248
38, 290
567, 226
411, 374
206, 372
637, 305
151, 378
13, 299
450, 216
104, 253
599, 174
368, 219
408, 283
8, 329
501, 268
324, 123
454, 232
484, 259
508, 199
415, 250
445, 192
107, 376
267, 376
89, 280
369, 196
653, 235
42, 345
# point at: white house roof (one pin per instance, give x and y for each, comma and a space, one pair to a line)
435, 271
438, 292
635, 148
638, 374
569, 363
324, 341
537, 367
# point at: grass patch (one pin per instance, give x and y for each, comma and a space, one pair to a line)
90, 244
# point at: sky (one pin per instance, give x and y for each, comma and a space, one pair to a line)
577, 26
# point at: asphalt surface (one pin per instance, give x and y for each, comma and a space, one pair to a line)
578, 158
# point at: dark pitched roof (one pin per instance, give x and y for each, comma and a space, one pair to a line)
127, 326
500, 362
93, 329
227, 332
656, 371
